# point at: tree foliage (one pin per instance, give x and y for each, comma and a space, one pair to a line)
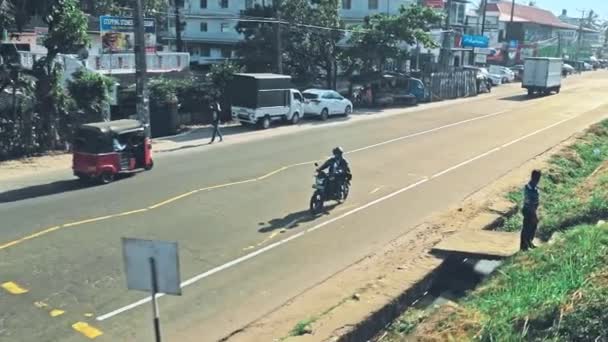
384, 37
90, 92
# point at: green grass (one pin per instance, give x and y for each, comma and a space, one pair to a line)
532, 287
561, 206
303, 327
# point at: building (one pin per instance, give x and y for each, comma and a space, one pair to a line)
592, 36
210, 34
534, 32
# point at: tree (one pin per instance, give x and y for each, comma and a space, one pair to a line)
383, 37
67, 26
91, 94
258, 40
119, 7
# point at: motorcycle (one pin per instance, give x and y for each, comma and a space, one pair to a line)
323, 191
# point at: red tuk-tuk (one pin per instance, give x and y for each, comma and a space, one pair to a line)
104, 149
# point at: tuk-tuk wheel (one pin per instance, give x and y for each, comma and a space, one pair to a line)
106, 177
150, 166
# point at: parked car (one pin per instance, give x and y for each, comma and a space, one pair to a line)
494, 78
519, 71
587, 67
567, 69
507, 74
324, 103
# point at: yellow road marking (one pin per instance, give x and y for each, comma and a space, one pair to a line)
56, 312
173, 199
14, 288
137, 211
35, 235
79, 223
87, 330
40, 305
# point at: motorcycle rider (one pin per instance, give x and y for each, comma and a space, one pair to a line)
339, 170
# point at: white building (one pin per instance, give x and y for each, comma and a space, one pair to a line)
210, 35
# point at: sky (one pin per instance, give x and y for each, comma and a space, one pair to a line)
599, 6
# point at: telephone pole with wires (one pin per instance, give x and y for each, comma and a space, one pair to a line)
279, 42
142, 108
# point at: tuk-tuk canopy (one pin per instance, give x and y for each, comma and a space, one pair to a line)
114, 127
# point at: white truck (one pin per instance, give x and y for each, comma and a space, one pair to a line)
260, 99
542, 75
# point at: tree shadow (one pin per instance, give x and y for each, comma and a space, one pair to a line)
42, 190
293, 220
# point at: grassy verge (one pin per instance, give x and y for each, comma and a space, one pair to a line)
558, 292
565, 200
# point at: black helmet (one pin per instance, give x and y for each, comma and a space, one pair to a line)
338, 151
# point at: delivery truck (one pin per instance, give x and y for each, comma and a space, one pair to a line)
542, 75
261, 99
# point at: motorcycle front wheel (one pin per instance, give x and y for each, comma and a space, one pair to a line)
344, 191
316, 203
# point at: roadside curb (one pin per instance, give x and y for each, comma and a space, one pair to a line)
374, 322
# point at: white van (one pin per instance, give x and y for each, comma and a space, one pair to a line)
260, 99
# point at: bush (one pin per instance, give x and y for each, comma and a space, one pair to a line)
90, 92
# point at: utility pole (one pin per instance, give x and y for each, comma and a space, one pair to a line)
279, 42
143, 111
509, 34
447, 33
484, 8
579, 39
179, 44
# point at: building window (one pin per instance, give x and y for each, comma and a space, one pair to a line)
226, 52
225, 27
171, 22
347, 4
203, 27
223, 3
205, 51
203, 3
248, 4
372, 4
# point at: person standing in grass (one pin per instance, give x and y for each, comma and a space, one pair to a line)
530, 205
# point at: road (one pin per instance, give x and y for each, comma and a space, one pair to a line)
239, 214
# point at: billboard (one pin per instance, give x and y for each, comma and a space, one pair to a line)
434, 3
117, 34
475, 41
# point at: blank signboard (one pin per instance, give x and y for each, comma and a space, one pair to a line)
137, 254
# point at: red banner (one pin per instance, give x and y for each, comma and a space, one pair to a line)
434, 3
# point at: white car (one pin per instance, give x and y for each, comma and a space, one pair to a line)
507, 74
494, 78
324, 103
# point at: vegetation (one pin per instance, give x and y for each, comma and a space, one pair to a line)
541, 295
556, 292
90, 92
563, 202
313, 30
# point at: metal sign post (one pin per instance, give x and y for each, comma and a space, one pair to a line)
154, 302
152, 266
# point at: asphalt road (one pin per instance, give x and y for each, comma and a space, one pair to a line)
239, 214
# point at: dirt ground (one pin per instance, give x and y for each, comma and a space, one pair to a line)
350, 296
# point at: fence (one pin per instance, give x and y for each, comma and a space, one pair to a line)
451, 85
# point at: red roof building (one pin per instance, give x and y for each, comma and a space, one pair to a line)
527, 14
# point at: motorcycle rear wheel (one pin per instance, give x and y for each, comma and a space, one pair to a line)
316, 203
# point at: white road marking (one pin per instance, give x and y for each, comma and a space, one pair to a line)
427, 131
375, 190
323, 224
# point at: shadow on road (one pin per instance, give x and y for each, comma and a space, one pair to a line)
293, 220
517, 98
41, 190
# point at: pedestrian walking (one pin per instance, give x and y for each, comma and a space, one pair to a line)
216, 110
530, 205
